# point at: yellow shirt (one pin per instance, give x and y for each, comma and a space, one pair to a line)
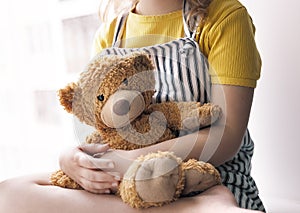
226, 39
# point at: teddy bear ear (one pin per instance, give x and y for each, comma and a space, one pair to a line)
66, 96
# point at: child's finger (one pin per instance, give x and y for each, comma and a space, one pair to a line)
98, 176
89, 162
92, 149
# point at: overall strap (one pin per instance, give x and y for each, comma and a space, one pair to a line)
191, 27
120, 25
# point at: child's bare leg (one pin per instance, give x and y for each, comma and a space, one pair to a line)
34, 194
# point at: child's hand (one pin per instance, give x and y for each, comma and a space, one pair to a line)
86, 170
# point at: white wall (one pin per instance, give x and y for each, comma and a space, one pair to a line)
275, 120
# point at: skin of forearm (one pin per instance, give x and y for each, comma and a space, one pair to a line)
215, 145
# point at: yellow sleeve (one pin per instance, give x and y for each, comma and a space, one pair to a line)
233, 55
103, 37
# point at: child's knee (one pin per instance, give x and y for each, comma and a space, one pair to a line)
5, 186
10, 187
14, 188
14, 193
7, 194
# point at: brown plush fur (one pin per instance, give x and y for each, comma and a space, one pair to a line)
98, 88
129, 193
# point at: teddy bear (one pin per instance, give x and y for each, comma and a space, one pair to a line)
115, 96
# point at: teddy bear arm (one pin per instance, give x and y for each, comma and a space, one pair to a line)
195, 115
187, 115
170, 111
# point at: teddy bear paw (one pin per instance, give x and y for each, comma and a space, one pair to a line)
152, 180
199, 176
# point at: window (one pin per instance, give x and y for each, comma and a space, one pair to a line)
44, 46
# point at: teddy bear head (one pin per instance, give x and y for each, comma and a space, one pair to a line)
112, 91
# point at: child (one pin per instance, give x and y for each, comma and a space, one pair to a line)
225, 35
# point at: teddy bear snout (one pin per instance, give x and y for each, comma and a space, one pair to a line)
121, 107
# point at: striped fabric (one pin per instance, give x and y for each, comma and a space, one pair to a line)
179, 75
182, 75
236, 175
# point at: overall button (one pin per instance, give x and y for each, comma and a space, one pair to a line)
187, 49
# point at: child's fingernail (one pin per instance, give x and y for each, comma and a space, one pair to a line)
100, 145
117, 178
110, 165
107, 191
114, 184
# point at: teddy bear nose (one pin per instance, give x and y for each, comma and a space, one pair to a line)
121, 107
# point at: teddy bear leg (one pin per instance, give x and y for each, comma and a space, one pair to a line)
152, 180
59, 178
199, 176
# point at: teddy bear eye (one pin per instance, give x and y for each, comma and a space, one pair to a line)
125, 81
100, 97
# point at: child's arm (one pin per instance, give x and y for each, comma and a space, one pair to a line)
220, 142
